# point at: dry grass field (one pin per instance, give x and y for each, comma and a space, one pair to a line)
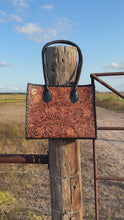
24, 189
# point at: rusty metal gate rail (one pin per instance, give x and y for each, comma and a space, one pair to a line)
97, 178
24, 158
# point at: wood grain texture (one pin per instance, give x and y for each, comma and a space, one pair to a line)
61, 65
64, 154
65, 179
60, 118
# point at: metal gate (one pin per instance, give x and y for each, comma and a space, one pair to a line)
96, 177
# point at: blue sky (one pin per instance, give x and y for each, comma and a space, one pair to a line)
97, 26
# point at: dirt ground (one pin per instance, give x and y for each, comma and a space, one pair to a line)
111, 141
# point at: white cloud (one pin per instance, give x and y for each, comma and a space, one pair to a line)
36, 33
64, 25
11, 89
4, 64
15, 88
28, 28
46, 35
15, 17
2, 20
22, 3
5, 18
3, 13
116, 65
48, 7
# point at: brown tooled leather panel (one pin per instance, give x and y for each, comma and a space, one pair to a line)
60, 118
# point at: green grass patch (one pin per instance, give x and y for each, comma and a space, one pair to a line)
6, 198
9, 209
109, 101
11, 101
14, 99
12, 130
12, 96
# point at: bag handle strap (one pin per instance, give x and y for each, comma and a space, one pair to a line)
47, 96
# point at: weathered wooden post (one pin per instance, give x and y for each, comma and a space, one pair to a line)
61, 113
64, 154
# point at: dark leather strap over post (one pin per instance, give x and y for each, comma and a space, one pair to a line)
74, 96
